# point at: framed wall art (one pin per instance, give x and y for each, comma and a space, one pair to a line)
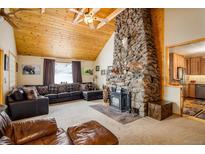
6, 62
31, 69
97, 68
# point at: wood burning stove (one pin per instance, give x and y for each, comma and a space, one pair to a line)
120, 98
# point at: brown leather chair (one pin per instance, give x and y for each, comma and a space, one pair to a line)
39, 132
46, 132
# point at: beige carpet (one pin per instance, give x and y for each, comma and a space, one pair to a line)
174, 130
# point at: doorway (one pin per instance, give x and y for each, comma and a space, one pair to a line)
185, 69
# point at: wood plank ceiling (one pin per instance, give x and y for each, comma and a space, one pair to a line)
52, 34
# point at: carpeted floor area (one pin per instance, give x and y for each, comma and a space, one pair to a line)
174, 130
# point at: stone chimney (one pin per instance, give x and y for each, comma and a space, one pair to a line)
135, 59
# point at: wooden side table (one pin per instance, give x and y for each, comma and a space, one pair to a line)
2, 107
160, 110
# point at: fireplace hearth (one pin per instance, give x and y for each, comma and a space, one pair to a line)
120, 98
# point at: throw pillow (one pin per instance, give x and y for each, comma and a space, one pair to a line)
70, 87
18, 94
53, 89
43, 90
84, 87
62, 88
76, 86
31, 94
91, 86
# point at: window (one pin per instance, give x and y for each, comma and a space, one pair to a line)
63, 73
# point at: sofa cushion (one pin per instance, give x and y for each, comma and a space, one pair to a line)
73, 87
27, 131
53, 89
64, 94
4, 140
62, 88
42, 90
74, 93
51, 96
58, 138
91, 133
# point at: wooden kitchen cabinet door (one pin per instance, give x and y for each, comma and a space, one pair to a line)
195, 66
202, 68
188, 66
192, 90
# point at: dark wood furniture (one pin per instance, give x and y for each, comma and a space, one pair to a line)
160, 110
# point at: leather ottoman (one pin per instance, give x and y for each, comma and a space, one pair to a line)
91, 133
92, 95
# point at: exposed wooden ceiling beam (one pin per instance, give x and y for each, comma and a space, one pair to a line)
110, 17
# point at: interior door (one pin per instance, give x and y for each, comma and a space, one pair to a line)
1, 76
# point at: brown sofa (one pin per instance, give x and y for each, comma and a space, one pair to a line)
46, 132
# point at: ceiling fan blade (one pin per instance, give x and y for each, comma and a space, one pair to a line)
99, 19
74, 10
81, 12
94, 11
110, 17
79, 21
91, 25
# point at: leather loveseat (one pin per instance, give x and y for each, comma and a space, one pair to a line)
46, 132
27, 108
31, 132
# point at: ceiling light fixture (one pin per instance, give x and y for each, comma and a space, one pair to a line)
88, 17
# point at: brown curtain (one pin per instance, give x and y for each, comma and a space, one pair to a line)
76, 69
48, 71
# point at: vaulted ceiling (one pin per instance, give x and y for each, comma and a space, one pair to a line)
52, 34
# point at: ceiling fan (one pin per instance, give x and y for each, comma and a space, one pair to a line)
89, 17
7, 14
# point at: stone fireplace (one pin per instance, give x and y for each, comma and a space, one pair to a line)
135, 65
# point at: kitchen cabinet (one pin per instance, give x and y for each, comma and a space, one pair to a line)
192, 90
194, 66
187, 66
202, 68
186, 90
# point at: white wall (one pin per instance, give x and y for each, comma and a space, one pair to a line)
38, 79
181, 25
173, 94
7, 44
104, 59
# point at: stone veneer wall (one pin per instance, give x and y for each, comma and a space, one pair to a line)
135, 65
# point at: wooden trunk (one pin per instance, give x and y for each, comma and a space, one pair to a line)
160, 110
